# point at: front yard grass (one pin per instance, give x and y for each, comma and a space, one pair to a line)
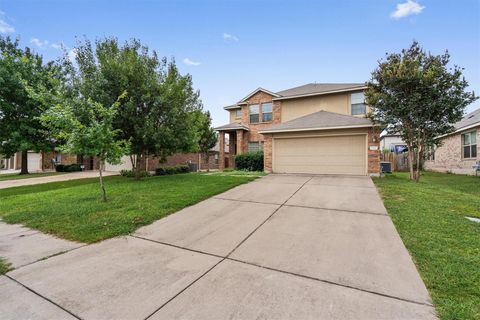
73, 209
17, 176
430, 217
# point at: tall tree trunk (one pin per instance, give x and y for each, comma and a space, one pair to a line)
138, 166
100, 176
24, 168
419, 162
410, 161
207, 156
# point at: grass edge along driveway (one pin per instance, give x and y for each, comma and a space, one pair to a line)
17, 176
445, 246
73, 209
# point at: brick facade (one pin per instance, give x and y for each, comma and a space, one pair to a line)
242, 138
184, 158
449, 156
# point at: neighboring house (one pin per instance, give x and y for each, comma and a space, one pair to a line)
458, 151
314, 128
37, 161
152, 163
392, 142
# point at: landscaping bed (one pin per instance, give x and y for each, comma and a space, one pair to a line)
73, 210
445, 246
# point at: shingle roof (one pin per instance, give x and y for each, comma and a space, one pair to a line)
319, 120
469, 120
313, 88
232, 126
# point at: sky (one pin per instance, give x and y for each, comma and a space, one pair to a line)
233, 47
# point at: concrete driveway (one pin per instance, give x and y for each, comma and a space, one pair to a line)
281, 247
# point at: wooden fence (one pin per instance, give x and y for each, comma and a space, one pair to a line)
399, 161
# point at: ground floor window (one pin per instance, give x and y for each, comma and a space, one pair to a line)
254, 146
469, 144
216, 158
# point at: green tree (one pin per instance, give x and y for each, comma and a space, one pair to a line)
207, 136
89, 133
419, 96
158, 114
27, 88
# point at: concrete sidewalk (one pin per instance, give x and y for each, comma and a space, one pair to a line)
55, 178
281, 247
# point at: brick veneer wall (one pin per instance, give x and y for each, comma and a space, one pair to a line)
448, 156
183, 158
252, 135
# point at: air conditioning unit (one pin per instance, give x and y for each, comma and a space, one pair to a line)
385, 167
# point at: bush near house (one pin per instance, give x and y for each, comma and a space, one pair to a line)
250, 161
131, 174
68, 167
181, 168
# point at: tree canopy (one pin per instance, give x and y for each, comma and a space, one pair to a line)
27, 88
158, 113
418, 95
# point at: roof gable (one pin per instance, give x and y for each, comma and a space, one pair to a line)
258, 90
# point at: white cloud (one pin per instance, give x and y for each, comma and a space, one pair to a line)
189, 62
4, 26
57, 46
229, 37
72, 55
39, 43
407, 8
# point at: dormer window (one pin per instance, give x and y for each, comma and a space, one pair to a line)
357, 101
254, 114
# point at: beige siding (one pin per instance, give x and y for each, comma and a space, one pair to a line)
233, 117
321, 154
296, 108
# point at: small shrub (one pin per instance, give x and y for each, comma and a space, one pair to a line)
181, 168
68, 167
131, 174
250, 161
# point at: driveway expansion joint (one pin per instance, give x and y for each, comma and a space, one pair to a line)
226, 257
43, 297
341, 210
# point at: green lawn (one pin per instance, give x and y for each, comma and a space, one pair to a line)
4, 266
73, 209
16, 176
444, 245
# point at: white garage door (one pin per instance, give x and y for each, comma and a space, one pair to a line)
34, 161
125, 165
320, 155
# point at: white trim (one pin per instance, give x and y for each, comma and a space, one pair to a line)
321, 136
316, 129
257, 90
460, 130
320, 93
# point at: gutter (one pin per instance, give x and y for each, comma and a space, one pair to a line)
319, 93
315, 129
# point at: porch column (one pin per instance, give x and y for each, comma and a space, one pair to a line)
232, 141
239, 141
221, 161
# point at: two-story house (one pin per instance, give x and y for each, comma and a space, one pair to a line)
315, 128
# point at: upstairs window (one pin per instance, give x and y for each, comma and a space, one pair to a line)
253, 111
358, 103
238, 113
266, 112
469, 143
